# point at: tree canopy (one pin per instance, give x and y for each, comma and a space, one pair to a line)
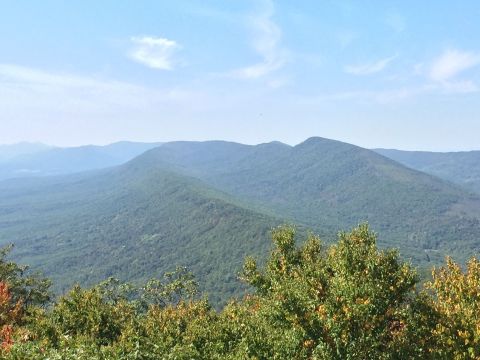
349, 300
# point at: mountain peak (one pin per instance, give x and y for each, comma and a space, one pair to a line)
317, 143
317, 140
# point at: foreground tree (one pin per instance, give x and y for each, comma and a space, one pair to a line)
21, 294
31, 289
349, 300
10, 314
456, 298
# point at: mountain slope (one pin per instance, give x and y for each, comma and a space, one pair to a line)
130, 223
330, 186
462, 168
57, 161
207, 205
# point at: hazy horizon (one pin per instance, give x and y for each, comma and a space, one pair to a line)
245, 143
370, 73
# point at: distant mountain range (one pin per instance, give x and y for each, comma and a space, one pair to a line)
206, 205
25, 159
10, 152
462, 168
37, 159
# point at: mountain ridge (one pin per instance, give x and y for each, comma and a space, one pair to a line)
184, 202
319, 166
59, 161
145, 224
461, 168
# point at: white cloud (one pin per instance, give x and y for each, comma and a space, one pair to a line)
71, 108
451, 63
20, 75
346, 37
266, 42
154, 52
396, 21
459, 87
385, 96
395, 95
29, 90
370, 68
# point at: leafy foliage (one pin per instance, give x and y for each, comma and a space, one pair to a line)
457, 301
24, 287
10, 313
349, 300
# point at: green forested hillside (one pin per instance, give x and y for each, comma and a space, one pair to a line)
130, 223
462, 168
206, 205
330, 185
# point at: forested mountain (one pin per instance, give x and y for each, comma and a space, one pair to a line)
206, 205
57, 161
330, 185
462, 168
130, 223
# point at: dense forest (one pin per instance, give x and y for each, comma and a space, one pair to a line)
207, 205
348, 300
462, 168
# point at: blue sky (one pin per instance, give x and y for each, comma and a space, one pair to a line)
402, 74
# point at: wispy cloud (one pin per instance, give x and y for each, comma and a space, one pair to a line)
370, 68
29, 77
383, 96
77, 108
451, 63
346, 37
438, 77
267, 43
154, 52
459, 87
395, 21
23, 87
